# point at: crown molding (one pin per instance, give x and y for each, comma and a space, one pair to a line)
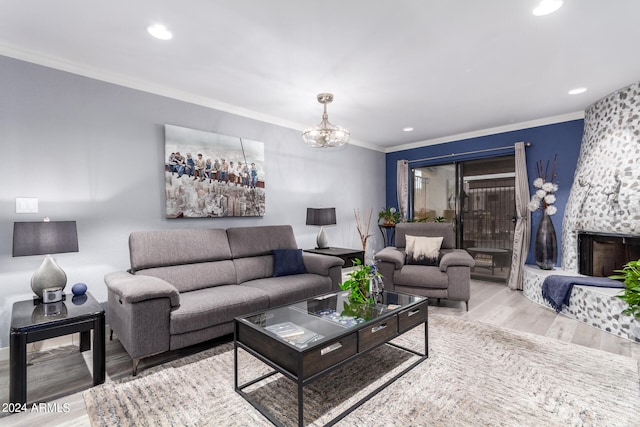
168, 92
490, 131
145, 86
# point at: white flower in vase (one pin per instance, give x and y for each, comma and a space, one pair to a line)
544, 198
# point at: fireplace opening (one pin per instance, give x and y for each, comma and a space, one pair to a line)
600, 254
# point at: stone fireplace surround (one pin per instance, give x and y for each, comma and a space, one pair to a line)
604, 200
605, 195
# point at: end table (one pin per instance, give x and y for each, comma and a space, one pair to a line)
32, 320
388, 234
347, 255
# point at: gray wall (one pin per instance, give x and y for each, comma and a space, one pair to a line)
93, 152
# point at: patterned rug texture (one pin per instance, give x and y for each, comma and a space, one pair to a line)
476, 375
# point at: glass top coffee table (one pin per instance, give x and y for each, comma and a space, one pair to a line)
309, 339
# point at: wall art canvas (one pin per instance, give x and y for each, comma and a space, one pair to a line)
208, 175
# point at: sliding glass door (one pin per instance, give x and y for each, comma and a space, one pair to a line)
434, 193
478, 197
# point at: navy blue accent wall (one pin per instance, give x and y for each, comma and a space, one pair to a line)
561, 138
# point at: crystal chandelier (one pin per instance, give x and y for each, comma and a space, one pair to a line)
325, 135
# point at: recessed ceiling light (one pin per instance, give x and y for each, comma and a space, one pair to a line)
546, 7
159, 31
577, 90
407, 129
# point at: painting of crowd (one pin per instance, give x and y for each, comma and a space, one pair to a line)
221, 171
209, 175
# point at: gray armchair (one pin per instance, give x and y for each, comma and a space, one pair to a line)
448, 278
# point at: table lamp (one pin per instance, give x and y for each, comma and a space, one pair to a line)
321, 217
46, 238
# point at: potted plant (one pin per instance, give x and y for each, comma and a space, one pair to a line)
358, 282
631, 294
390, 215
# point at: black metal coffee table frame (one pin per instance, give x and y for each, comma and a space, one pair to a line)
304, 381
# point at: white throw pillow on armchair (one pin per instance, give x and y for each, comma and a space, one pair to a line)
422, 250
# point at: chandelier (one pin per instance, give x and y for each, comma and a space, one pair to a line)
325, 135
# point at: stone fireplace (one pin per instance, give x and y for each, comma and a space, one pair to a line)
601, 225
605, 196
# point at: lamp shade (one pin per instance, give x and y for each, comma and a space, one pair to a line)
44, 238
321, 216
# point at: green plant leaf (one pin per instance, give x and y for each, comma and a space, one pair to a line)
630, 274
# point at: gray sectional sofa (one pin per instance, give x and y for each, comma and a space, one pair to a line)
186, 286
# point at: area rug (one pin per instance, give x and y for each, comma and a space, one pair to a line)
476, 375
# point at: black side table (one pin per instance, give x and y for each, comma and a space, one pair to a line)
35, 321
388, 234
347, 255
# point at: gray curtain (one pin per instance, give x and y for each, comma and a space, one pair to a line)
522, 235
403, 187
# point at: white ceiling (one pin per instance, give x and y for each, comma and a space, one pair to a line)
445, 67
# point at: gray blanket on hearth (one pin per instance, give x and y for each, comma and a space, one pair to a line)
556, 289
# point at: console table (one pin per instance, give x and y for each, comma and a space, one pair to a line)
347, 255
32, 320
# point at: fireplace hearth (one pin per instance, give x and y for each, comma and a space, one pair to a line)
600, 254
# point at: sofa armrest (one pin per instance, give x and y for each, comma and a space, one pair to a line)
457, 258
132, 288
320, 264
392, 255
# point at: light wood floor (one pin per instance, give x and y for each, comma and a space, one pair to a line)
490, 302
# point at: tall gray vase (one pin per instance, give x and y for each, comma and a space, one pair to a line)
546, 244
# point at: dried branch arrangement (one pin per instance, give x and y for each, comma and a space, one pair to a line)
363, 231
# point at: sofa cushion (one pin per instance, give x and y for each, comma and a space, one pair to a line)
191, 277
252, 268
148, 249
257, 241
212, 306
423, 250
288, 289
416, 275
287, 262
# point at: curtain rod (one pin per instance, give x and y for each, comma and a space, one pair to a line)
446, 156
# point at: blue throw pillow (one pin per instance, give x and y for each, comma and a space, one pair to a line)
287, 262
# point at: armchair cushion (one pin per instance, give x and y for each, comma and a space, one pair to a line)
287, 262
455, 257
423, 250
392, 255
